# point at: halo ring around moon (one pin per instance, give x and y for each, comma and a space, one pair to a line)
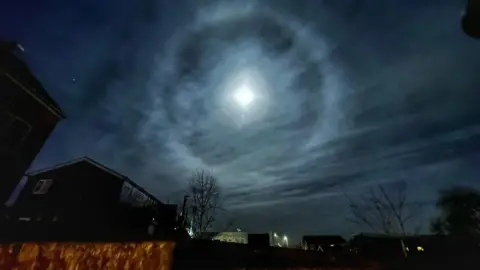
279, 35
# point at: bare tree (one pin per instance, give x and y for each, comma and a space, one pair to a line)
384, 211
204, 202
229, 224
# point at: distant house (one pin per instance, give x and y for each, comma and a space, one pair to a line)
27, 117
391, 246
379, 245
232, 237
322, 242
83, 199
259, 240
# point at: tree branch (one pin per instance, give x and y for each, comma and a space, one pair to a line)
382, 211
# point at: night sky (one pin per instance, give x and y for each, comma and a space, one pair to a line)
291, 104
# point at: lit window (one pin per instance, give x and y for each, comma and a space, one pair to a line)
42, 186
419, 248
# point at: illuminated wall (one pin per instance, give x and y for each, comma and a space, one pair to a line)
147, 255
232, 237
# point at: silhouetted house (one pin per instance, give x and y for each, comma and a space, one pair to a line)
82, 199
382, 246
323, 242
259, 240
27, 117
378, 246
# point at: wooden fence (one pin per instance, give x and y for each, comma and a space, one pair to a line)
198, 255
147, 255
161, 255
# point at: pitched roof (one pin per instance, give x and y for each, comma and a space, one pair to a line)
19, 72
98, 165
396, 236
381, 235
323, 239
209, 235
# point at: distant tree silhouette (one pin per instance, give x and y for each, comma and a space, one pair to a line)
229, 224
383, 210
203, 202
460, 212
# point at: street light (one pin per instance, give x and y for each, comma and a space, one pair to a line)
285, 238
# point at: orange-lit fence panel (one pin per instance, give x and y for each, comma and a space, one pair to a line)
143, 255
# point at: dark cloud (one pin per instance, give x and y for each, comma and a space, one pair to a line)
355, 93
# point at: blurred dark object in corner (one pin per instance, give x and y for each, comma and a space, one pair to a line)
471, 19
10, 47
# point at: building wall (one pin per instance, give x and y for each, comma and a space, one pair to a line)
81, 198
260, 240
136, 197
85, 202
139, 210
232, 237
143, 255
25, 125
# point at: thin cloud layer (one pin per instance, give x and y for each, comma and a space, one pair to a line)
347, 96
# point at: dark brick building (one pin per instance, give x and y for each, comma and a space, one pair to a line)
331, 246
382, 246
84, 200
322, 242
27, 117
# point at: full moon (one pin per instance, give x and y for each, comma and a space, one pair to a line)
244, 96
